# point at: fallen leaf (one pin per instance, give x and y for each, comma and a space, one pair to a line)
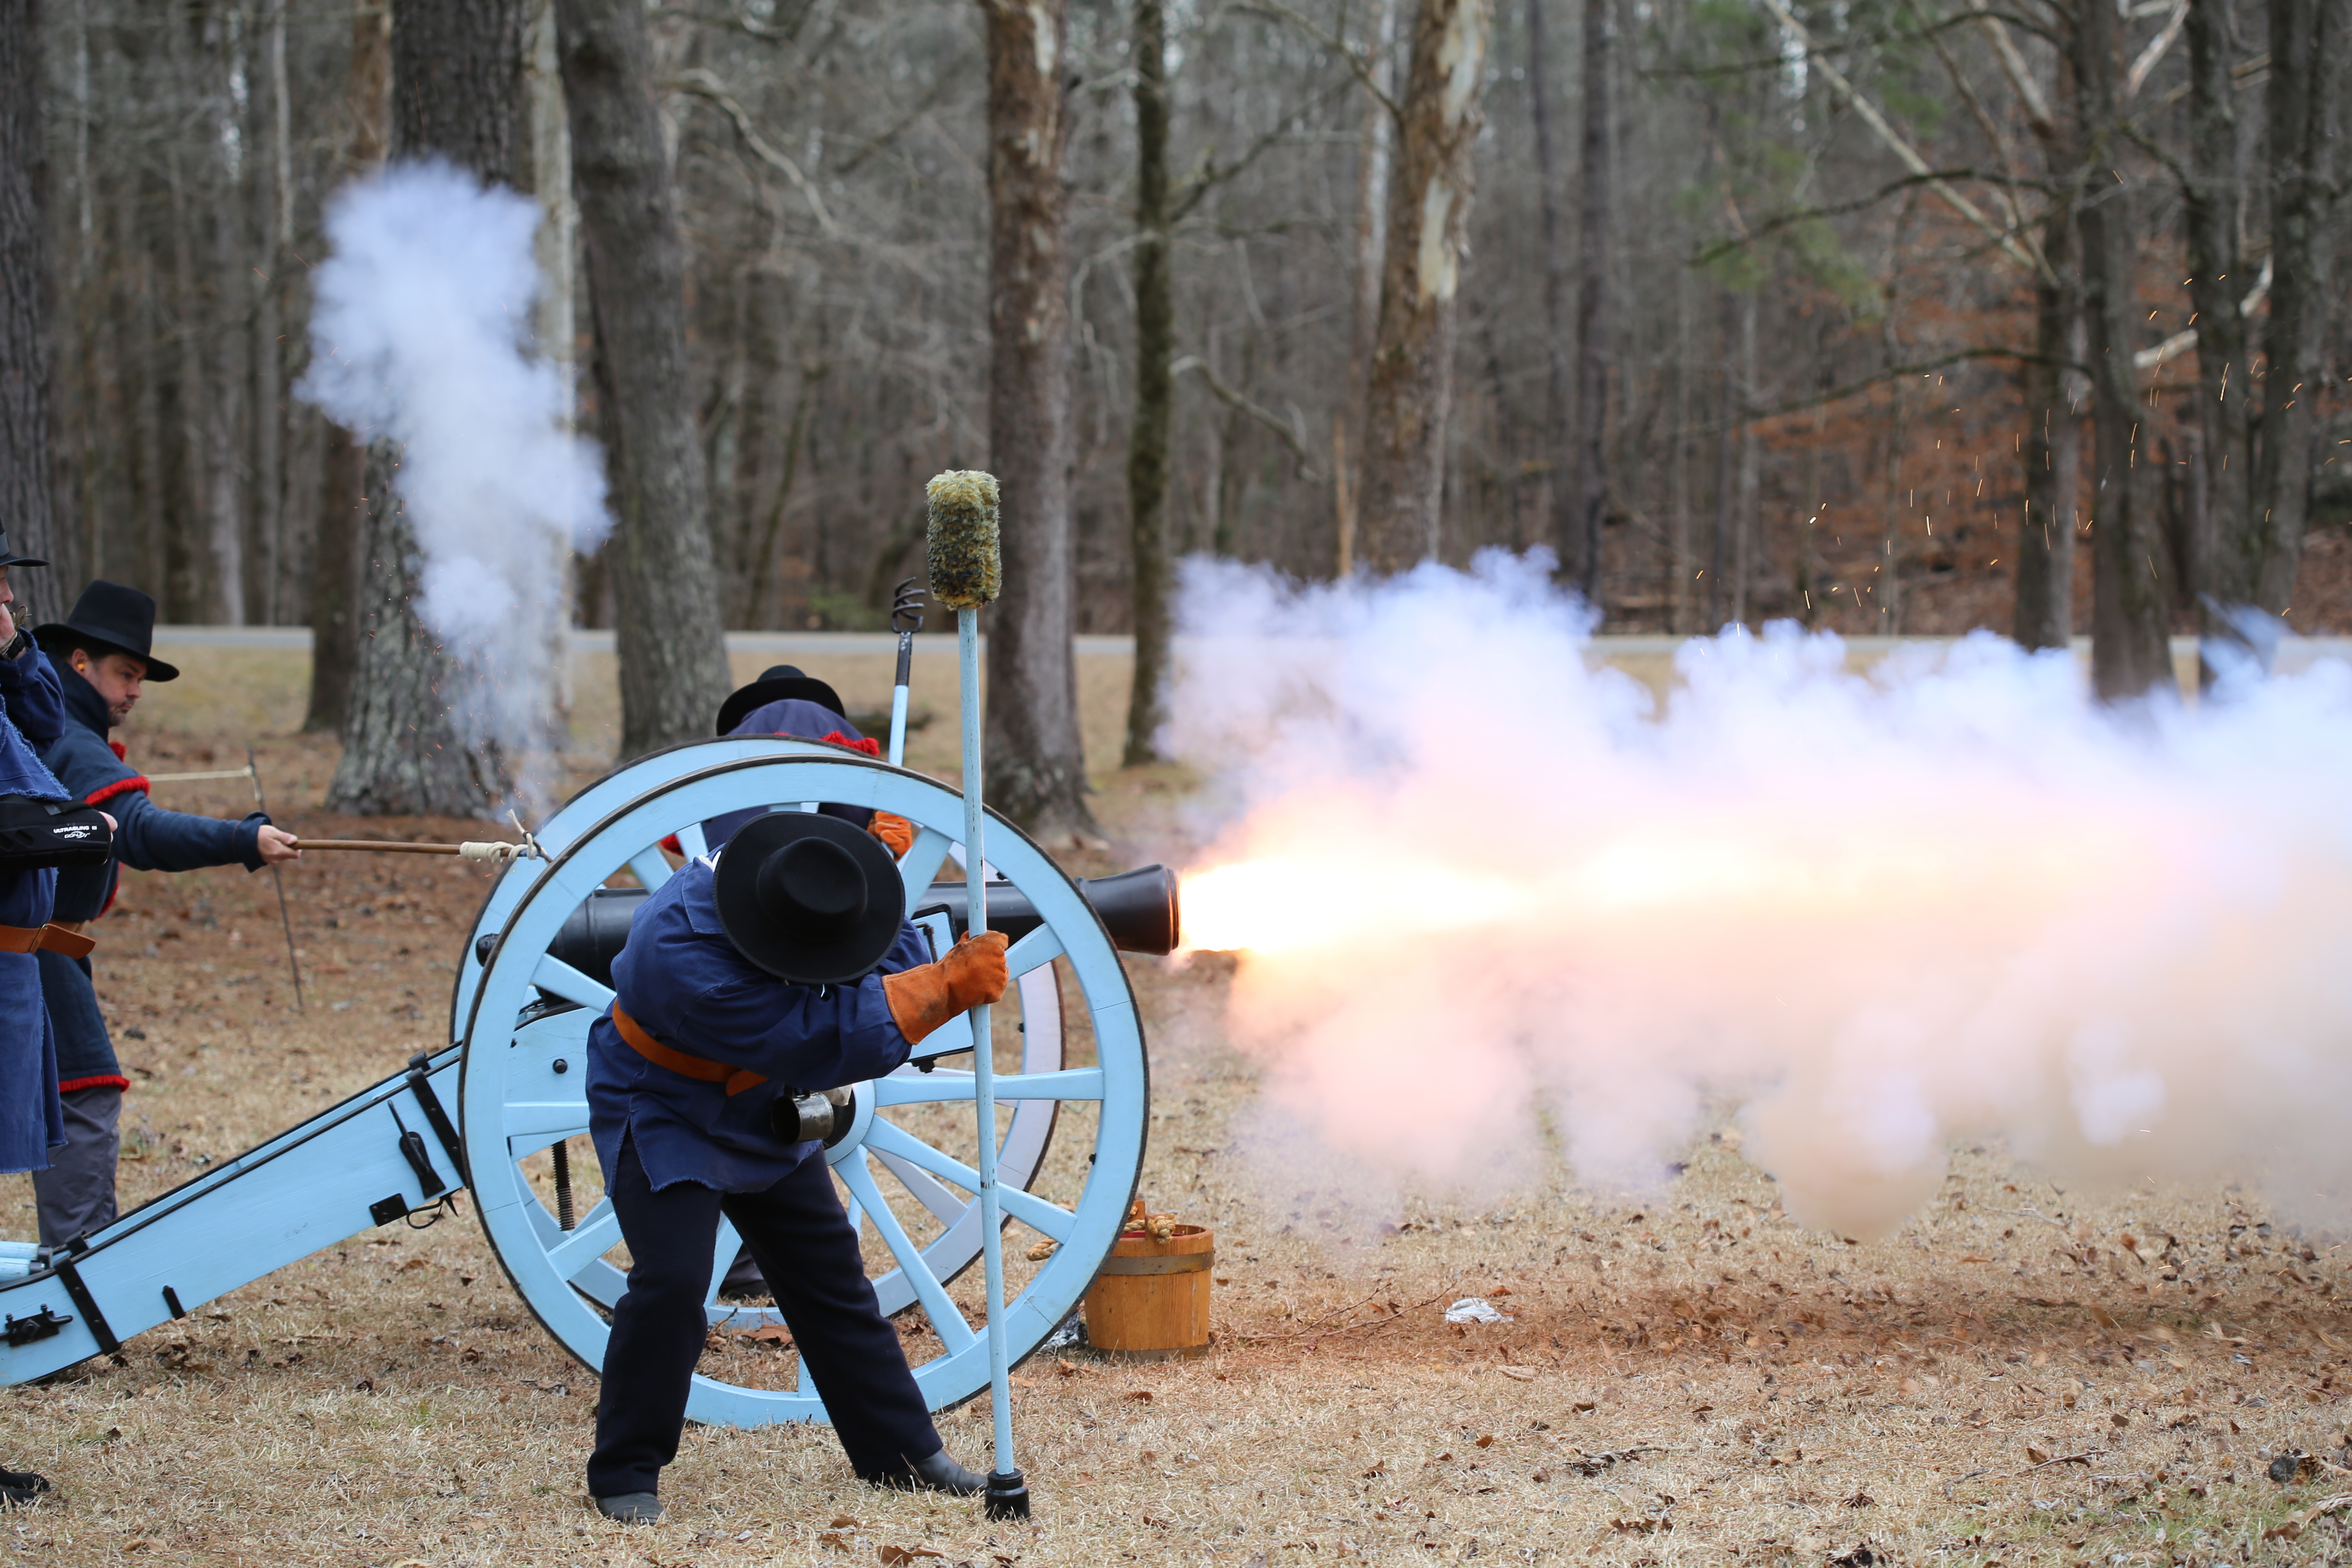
833, 1539
1518, 1373
894, 1556
1487, 1441
1141, 1395
2101, 1316
842, 1521
769, 1334
2034, 1456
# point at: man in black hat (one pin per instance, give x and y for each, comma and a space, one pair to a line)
31, 716
784, 968
101, 652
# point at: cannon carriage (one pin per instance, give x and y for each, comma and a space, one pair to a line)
501, 1111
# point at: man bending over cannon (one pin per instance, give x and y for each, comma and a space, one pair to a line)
780, 966
101, 654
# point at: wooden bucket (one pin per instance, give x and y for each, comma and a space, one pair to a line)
1151, 1302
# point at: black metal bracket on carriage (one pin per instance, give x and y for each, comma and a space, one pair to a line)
43, 1324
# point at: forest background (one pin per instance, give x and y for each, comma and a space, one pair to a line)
1766, 308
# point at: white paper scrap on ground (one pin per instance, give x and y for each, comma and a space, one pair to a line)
1476, 1310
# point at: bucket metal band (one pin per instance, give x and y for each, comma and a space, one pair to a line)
1175, 1263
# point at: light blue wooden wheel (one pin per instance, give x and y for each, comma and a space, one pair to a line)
1043, 1040
907, 1162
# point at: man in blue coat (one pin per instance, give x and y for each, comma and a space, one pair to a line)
102, 651
31, 1123
780, 966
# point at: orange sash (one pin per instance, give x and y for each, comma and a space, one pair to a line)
702, 1068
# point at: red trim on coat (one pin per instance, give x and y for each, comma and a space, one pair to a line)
121, 752
869, 745
103, 1080
105, 793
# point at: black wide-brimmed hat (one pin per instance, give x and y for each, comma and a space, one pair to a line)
808, 898
109, 618
10, 558
776, 683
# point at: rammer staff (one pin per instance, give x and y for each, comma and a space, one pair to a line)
966, 571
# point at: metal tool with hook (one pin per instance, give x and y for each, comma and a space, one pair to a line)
906, 618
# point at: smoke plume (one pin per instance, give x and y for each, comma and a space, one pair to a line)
1490, 898
421, 333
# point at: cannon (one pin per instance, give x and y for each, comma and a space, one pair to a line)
502, 1110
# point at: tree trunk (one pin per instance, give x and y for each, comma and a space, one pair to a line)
2052, 450
1373, 156
1429, 209
1147, 450
673, 654
1036, 770
334, 558
456, 93
27, 479
2213, 215
2131, 594
1592, 307
2306, 44
1727, 437
1559, 429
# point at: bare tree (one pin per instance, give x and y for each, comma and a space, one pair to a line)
456, 93
663, 580
1036, 763
1155, 347
28, 482
2052, 447
1429, 215
334, 561
2131, 586
1577, 560
1592, 257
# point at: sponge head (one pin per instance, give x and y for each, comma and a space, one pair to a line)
965, 559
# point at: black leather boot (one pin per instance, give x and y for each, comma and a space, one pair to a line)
937, 1474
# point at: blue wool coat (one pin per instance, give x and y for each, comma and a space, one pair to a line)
31, 1122
149, 839
686, 985
802, 721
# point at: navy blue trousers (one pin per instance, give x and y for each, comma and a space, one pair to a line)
805, 1246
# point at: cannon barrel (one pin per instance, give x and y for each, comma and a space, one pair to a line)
1138, 907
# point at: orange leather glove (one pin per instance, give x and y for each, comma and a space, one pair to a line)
928, 995
893, 831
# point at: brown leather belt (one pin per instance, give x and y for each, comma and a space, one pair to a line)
57, 937
702, 1069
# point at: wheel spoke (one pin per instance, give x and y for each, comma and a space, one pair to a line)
1047, 1219
942, 1085
1039, 948
921, 863
558, 978
691, 840
651, 868
947, 1321
592, 1238
928, 1189
552, 1119
722, 1259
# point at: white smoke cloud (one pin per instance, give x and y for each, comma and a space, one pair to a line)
1494, 898
421, 333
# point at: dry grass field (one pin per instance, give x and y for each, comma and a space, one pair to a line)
2021, 1375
